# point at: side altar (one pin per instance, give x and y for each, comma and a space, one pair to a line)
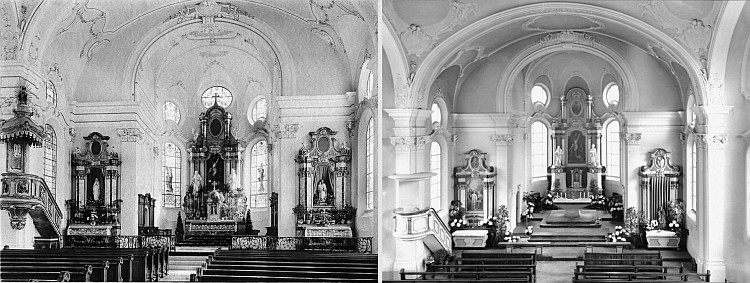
215, 202
324, 199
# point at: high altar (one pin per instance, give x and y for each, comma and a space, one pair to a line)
322, 208
215, 202
576, 141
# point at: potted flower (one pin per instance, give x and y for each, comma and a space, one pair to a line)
300, 211
457, 224
180, 229
441, 256
529, 230
350, 213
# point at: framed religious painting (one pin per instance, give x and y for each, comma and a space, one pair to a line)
475, 185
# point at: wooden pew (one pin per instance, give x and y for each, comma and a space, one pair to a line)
101, 270
80, 274
619, 276
640, 258
494, 276
139, 265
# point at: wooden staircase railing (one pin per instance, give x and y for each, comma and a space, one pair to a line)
27, 193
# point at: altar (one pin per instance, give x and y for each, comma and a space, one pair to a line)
332, 231
213, 227
474, 238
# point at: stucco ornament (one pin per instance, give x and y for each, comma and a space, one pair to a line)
715, 91
416, 41
697, 36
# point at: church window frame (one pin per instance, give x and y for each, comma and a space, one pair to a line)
370, 165
172, 163
539, 148
611, 94
435, 181
50, 159
613, 148
539, 94
172, 112
219, 94
257, 195
51, 93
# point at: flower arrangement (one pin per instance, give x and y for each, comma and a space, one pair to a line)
529, 230
509, 238
457, 223
93, 217
441, 256
456, 210
674, 225
653, 224
619, 235
502, 218
598, 202
490, 223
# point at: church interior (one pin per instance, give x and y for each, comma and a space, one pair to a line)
592, 141
142, 137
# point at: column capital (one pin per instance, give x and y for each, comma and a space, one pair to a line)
408, 117
130, 134
286, 131
410, 143
709, 140
631, 138
506, 139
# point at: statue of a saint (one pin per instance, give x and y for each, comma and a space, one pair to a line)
322, 193
261, 177
96, 189
593, 156
234, 182
196, 180
558, 156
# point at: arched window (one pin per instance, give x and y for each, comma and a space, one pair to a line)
51, 93
538, 149
613, 148
437, 115
171, 160
216, 94
259, 111
694, 177
171, 112
50, 160
258, 174
611, 94
370, 85
539, 95
370, 160
435, 180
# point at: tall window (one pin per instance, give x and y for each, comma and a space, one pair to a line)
613, 149
171, 160
216, 94
51, 93
694, 177
50, 160
538, 149
435, 180
370, 160
611, 94
171, 112
258, 174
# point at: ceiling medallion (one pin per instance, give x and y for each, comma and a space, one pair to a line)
543, 23
567, 36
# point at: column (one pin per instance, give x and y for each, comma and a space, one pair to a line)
129, 192
410, 183
631, 181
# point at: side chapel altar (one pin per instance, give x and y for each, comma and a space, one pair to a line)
323, 207
215, 203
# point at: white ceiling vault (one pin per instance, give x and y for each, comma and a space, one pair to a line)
435, 35
108, 50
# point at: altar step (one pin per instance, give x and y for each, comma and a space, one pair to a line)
561, 237
570, 225
185, 261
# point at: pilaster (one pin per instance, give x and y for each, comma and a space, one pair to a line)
505, 191
129, 138
631, 181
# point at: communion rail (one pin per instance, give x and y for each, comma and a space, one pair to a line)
124, 242
21, 190
334, 244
